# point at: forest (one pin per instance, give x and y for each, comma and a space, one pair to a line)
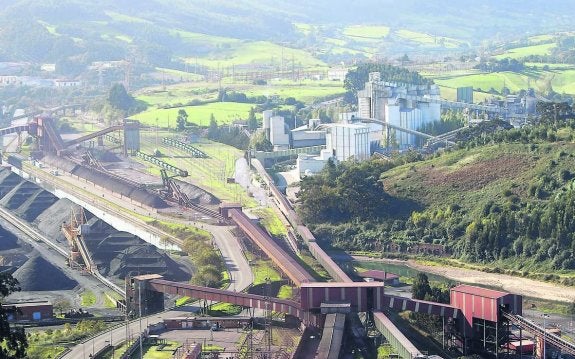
527, 220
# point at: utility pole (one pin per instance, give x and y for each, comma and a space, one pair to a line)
140, 315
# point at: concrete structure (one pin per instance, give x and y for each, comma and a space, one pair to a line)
348, 141
402, 105
308, 165
131, 136
344, 141
32, 311
279, 133
307, 135
267, 115
465, 94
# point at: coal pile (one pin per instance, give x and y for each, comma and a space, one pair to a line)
115, 185
7, 240
8, 180
37, 203
51, 220
37, 274
27, 200
19, 194
120, 254
145, 259
196, 194
59, 162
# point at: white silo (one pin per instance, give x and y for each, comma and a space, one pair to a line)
348, 141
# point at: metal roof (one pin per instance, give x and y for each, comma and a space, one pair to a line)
478, 291
342, 284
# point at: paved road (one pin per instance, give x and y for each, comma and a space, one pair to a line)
241, 278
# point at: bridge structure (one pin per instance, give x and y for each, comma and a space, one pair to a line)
49, 139
476, 319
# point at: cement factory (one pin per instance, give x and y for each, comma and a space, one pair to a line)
475, 320
389, 116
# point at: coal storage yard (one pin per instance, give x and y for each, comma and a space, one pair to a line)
116, 253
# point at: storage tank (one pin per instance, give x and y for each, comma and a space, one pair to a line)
267, 115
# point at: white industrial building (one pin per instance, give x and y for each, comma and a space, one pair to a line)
279, 133
344, 142
406, 106
348, 141
308, 165
307, 135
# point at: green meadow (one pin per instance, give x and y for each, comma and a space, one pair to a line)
519, 52
224, 113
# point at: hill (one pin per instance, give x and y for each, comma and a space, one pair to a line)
505, 198
159, 31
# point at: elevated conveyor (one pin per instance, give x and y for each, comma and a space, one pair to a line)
550, 338
332, 337
93, 135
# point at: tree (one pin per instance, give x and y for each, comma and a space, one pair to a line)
181, 120
420, 287
261, 143
213, 129
119, 98
252, 121
13, 340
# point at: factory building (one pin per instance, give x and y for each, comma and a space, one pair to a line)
348, 141
279, 133
344, 142
282, 138
307, 135
402, 105
308, 165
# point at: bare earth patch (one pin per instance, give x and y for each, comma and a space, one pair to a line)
516, 285
477, 175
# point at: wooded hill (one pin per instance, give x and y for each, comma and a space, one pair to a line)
506, 197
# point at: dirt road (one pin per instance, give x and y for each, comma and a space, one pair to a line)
524, 286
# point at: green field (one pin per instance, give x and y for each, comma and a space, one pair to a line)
485, 81
263, 269
271, 221
517, 53
88, 298
258, 52
224, 112
562, 79
368, 32
179, 95
207, 173
427, 39
306, 91
204, 39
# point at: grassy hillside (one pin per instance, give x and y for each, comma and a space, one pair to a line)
472, 178
159, 31
561, 77
504, 198
520, 52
